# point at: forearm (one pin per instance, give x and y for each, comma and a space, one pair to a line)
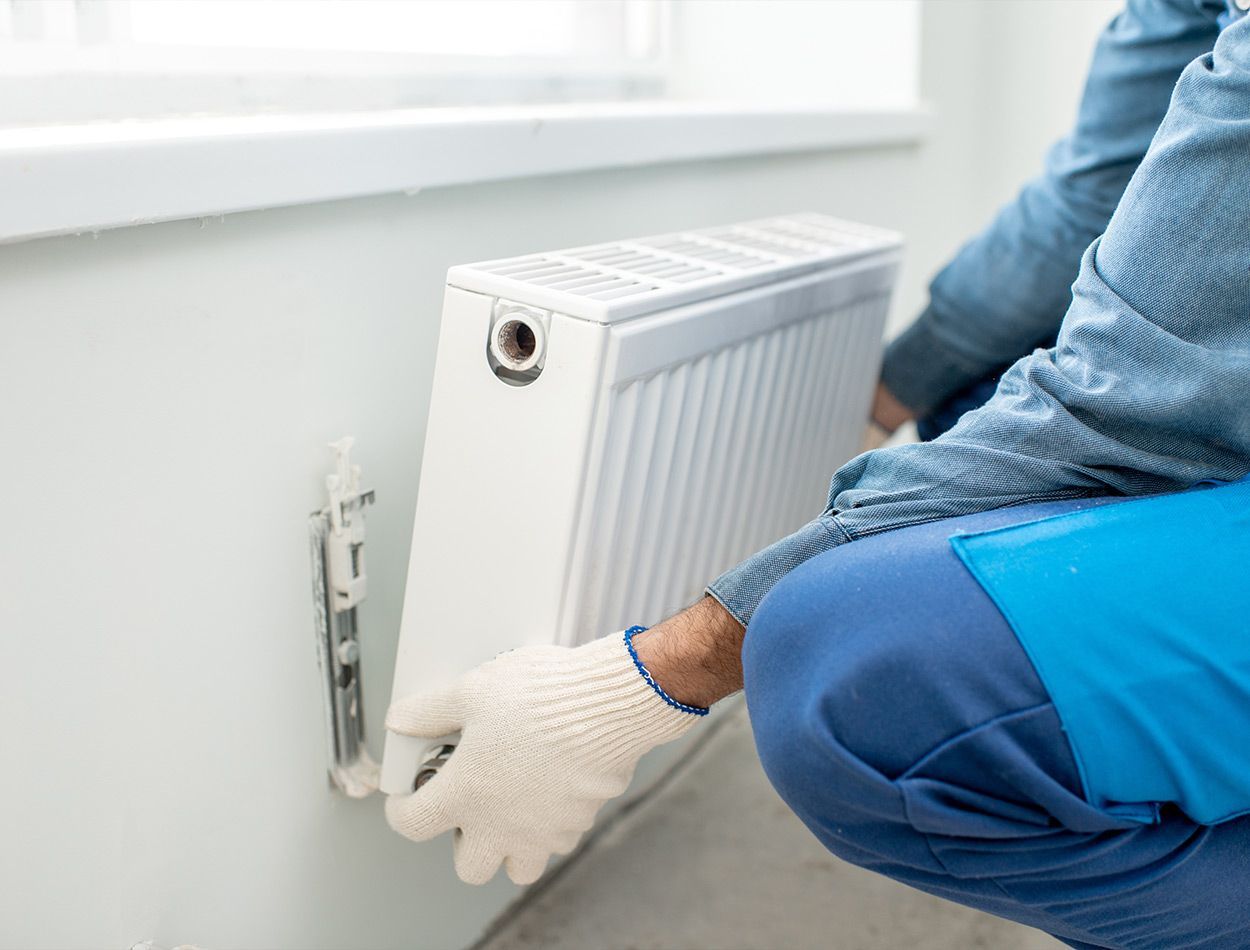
696, 655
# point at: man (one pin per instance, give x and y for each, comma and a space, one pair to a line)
985, 669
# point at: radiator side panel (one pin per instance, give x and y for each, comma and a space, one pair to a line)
501, 479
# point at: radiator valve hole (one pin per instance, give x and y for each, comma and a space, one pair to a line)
517, 341
517, 346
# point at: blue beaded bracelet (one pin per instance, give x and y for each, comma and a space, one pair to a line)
646, 675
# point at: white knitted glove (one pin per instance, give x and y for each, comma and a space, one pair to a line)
548, 734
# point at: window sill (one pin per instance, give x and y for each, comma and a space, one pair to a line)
74, 179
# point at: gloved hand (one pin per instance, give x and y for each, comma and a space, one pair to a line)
548, 734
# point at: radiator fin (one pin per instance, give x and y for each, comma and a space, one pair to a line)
675, 461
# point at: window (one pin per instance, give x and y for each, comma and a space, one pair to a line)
94, 59
554, 29
73, 61
117, 111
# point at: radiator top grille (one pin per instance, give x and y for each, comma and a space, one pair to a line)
608, 283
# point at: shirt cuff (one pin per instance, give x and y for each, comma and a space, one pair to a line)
741, 589
922, 371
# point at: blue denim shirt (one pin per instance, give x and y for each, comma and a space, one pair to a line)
1147, 389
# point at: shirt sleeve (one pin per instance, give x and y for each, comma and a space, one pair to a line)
1147, 388
1006, 291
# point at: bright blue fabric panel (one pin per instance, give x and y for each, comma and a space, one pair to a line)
1136, 616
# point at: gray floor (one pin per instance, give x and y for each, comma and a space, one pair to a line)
713, 860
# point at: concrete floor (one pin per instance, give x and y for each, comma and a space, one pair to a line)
713, 860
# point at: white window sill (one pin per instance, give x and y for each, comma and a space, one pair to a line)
74, 179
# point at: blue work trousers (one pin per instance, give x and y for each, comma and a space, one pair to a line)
895, 710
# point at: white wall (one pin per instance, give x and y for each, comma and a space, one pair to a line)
166, 393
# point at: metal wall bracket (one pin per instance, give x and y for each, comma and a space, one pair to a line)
337, 537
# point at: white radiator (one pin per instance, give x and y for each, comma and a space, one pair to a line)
613, 426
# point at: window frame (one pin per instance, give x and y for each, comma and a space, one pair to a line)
97, 176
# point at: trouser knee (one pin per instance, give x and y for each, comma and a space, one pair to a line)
819, 720
890, 702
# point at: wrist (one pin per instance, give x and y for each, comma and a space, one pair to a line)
694, 657
888, 412
659, 690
